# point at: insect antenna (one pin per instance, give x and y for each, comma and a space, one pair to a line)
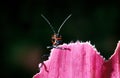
63, 23
48, 23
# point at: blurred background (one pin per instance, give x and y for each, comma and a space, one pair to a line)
25, 34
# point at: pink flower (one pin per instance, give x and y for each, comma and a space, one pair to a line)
81, 61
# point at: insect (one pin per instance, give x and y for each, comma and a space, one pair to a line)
56, 39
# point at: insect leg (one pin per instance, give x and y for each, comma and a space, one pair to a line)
63, 48
50, 47
44, 57
43, 64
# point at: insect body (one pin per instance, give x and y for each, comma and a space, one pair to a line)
56, 40
56, 37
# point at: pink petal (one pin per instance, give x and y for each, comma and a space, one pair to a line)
112, 66
81, 61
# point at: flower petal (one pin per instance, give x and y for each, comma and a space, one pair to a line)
81, 61
112, 66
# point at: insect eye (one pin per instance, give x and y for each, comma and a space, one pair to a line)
53, 40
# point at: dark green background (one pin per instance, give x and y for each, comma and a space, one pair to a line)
25, 34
